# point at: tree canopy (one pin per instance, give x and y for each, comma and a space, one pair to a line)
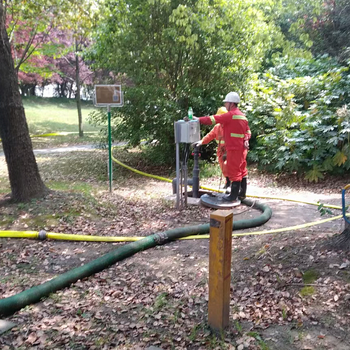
287, 59
177, 54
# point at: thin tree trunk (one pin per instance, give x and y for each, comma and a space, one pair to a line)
32, 90
77, 96
70, 89
23, 171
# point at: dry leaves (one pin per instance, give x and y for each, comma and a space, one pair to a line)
159, 297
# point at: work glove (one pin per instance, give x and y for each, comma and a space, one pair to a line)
197, 143
246, 144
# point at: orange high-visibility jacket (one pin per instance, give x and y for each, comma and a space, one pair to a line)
235, 127
216, 133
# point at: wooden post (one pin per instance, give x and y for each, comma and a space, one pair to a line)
220, 251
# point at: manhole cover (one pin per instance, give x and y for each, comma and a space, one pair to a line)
217, 201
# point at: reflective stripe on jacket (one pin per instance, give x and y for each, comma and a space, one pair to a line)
216, 133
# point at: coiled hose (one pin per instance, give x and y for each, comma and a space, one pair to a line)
32, 295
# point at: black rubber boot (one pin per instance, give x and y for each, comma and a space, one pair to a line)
243, 189
233, 196
227, 184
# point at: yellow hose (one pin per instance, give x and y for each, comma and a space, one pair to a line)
140, 172
216, 190
298, 201
19, 234
54, 134
278, 230
156, 176
62, 133
87, 238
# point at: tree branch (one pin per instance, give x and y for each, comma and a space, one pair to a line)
28, 52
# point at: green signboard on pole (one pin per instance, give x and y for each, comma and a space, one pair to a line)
109, 96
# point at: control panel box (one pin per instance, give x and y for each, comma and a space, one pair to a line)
187, 131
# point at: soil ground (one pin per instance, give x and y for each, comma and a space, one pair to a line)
289, 290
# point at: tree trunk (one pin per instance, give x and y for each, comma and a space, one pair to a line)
70, 90
32, 90
62, 91
77, 96
23, 171
27, 89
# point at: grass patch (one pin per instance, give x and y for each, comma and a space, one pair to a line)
66, 140
160, 301
310, 276
73, 168
59, 207
55, 114
238, 327
307, 291
194, 332
81, 187
4, 181
208, 170
7, 220
284, 313
262, 344
56, 297
40, 221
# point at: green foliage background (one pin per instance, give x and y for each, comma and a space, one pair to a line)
299, 117
293, 80
177, 54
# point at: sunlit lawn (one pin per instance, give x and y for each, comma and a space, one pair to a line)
46, 115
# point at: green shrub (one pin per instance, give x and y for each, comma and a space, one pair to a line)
301, 123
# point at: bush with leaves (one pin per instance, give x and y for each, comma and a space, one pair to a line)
178, 54
299, 118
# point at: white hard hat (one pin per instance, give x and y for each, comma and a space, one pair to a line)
232, 97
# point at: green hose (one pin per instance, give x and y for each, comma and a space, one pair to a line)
258, 221
33, 295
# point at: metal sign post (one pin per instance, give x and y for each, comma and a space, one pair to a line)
110, 168
109, 96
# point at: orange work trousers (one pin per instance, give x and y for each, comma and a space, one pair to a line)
223, 164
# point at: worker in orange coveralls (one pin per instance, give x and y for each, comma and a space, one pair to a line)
217, 133
236, 136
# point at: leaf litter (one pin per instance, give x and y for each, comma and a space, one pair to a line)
159, 297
